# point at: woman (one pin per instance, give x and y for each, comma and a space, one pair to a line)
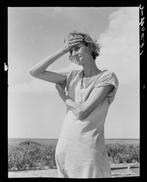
87, 94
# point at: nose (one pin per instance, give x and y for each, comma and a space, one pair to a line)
74, 53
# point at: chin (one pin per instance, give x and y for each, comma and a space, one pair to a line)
77, 62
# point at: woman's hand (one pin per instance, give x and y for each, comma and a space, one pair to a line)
61, 90
69, 44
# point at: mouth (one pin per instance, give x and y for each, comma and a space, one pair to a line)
77, 60
78, 56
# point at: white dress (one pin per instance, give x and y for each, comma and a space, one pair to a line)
81, 150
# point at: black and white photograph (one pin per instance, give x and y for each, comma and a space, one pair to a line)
73, 92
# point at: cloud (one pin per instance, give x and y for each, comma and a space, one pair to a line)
119, 53
120, 44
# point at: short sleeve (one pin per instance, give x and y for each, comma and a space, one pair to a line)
108, 78
69, 76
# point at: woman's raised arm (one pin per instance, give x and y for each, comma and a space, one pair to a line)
39, 70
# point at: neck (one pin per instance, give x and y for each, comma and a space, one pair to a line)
90, 69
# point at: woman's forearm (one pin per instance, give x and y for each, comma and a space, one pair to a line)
76, 108
73, 106
42, 66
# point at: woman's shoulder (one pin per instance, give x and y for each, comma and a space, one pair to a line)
77, 71
74, 73
107, 74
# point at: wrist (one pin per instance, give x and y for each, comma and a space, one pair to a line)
65, 50
63, 96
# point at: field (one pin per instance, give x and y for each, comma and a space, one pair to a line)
35, 157
53, 141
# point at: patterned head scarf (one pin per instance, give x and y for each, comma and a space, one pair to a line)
85, 38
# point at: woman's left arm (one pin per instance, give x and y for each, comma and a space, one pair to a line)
82, 110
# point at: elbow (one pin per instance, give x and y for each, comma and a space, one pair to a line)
83, 113
80, 114
33, 73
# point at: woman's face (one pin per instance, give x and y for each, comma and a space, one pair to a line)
80, 53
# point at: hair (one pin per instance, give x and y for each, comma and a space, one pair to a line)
87, 41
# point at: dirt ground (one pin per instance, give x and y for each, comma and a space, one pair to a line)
33, 173
52, 173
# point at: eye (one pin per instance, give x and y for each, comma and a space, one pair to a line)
77, 48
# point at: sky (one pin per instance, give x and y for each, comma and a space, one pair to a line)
34, 108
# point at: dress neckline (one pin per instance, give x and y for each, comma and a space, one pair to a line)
82, 74
93, 77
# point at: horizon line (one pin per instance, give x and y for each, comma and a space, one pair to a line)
57, 138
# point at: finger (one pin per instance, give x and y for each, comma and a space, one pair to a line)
63, 85
74, 41
73, 45
57, 86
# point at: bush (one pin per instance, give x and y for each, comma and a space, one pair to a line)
32, 155
123, 153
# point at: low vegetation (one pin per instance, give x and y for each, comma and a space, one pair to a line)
127, 153
33, 155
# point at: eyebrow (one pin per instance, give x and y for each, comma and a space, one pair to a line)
79, 45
